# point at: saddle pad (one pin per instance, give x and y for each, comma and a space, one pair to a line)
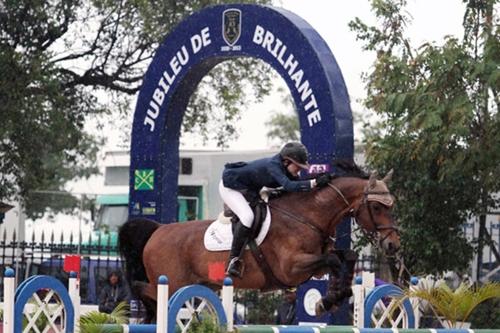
219, 235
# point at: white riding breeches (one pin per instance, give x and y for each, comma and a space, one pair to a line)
238, 204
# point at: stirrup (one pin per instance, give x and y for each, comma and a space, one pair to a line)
235, 267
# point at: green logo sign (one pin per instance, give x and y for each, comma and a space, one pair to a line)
144, 179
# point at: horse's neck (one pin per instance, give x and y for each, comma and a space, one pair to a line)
324, 207
341, 198
352, 188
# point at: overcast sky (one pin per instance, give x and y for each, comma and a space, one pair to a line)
432, 20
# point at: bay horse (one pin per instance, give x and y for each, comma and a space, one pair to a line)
295, 246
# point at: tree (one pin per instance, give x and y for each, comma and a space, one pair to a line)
284, 127
440, 129
60, 59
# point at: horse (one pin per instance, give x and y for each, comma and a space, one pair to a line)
295, 247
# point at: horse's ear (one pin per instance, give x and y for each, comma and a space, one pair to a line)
373, 180
387, 179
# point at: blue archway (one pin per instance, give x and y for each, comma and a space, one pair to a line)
215, 34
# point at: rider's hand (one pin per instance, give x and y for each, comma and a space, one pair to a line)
275, 193
323, 179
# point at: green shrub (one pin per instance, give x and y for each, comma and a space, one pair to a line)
486, 315
41, 323
260, 307
207, 325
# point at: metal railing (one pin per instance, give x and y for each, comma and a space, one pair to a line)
98, 258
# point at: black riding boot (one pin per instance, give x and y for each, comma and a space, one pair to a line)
240, 237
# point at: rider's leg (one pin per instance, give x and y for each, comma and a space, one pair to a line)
238, 204
240, 238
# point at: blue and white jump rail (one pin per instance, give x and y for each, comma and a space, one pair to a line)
63, 315
368, 300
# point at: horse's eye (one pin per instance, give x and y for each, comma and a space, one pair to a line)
377, 207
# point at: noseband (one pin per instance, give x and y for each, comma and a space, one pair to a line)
354, 213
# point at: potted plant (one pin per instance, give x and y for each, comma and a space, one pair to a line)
93, 321
453, 307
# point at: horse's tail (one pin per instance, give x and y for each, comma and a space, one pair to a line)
132, 239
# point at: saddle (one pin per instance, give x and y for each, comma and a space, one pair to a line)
258, 203
259, 208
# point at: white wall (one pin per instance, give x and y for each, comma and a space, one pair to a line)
13, 221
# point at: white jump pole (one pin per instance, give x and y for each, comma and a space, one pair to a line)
162, 305
74, 294
359, 302
227, 302
9, 289
415, 302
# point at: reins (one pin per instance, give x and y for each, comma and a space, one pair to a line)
354, 214
336, 189
299, 219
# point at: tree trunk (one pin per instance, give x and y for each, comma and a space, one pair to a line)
480, 245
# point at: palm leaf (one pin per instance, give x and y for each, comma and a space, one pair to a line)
93, 321
453, 305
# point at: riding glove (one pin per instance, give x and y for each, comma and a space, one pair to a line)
323, 179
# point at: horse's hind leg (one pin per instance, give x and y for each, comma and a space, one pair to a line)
150, 306
316, 263
143, 291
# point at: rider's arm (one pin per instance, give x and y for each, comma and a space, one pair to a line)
288, 184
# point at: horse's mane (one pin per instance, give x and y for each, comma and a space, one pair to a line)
341, 168
345, 168
348, 168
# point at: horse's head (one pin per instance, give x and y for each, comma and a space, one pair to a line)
373, 212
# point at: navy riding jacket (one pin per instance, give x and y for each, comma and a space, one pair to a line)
269, 172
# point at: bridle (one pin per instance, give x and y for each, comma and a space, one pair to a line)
372, 236
354, 213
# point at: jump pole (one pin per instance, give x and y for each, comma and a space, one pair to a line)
9, 289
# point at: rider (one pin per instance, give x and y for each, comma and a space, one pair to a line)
249, 178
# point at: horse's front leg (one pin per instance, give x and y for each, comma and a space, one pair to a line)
349, 257
330, 262
339, 287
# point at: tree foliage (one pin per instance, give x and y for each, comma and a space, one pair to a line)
284, 127
60, 64
440, 128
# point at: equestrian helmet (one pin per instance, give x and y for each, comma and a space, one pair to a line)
296, 153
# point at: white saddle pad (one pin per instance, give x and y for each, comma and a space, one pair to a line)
219, 235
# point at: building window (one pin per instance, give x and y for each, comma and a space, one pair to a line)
186, 166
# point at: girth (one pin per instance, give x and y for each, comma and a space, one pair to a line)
259, 208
